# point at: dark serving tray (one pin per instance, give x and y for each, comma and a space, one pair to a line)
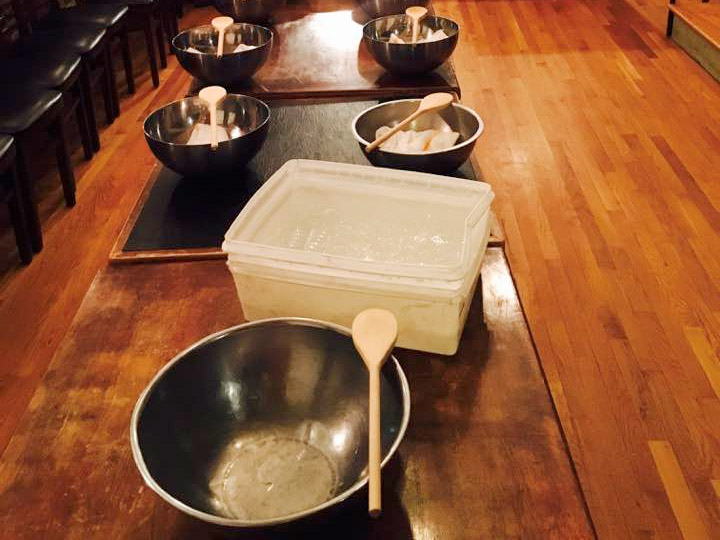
180, 214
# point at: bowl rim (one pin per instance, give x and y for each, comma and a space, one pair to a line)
220, 143
230, 522
456, 34
208, 26
471, 140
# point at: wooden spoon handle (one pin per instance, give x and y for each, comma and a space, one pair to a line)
375, 450
221, 42
385, 136
213, 126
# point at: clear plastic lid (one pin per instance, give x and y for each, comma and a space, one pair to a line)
363, 219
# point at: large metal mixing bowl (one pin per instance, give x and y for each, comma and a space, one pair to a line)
255, 11
380, 8
168, 129
231, 66
458, 117
263, 423
409, 58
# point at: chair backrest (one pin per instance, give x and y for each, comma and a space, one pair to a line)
31, 11
9, 27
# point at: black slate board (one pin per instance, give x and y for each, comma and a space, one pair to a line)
188, 213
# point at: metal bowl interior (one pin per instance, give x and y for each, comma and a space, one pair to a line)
263, 423
409, 58
231, 66
168, 129
256, 11
380, 8
457, 118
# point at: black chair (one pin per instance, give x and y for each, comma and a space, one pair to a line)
90, 43
10, 192
56, 70
113, 18
145, 16
25, 112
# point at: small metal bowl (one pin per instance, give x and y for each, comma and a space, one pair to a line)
264, 423
168, 129
459, 117
255, 11
380, 8
231, 67
409, 58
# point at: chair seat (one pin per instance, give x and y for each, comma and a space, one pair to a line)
77, 38
51, 69
107, 15
22, 105
125, 2
7, 152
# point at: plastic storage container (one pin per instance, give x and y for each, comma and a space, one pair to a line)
328, 240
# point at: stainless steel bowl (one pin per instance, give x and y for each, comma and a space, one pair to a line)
263, 423
409, 59
380, 8
255, 11
230, 67
460, 118
168, 129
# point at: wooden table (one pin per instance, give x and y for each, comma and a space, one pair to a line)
483, 456
318, 51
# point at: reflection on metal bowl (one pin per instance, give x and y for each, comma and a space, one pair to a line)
255, 11
458, 117
264, 423
168, 129
409, 58
231, 67
380, 8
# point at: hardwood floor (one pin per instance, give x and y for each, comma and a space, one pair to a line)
602, 143
603, 147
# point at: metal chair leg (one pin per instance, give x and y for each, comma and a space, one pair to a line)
27, 195
161, 43
127, 61
17, 217
86, 82
150, 46
82, 120
110, 73
63, 160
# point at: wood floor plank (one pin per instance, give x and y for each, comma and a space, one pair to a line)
677, 491
706, 356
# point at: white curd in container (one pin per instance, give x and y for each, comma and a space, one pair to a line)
328, 240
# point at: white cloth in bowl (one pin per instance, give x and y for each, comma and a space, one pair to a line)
202, 134
437, 35
433, 134
242, 48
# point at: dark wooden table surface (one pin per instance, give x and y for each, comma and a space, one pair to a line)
483, 456
318, 51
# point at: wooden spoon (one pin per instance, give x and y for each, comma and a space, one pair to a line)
430, 103
212, 95
374, 332
221, 24
416, 13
